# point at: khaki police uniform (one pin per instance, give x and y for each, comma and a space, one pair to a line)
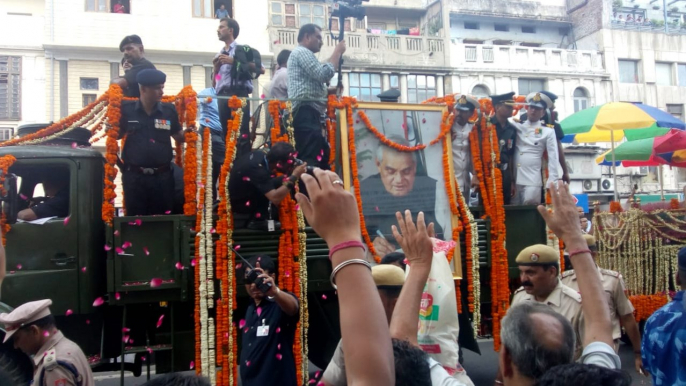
614, 287
462, 154
59, 362
563, 299
533, 140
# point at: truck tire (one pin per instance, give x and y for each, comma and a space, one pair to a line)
15, 367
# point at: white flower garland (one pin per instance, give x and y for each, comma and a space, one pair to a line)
202, 286
97, 112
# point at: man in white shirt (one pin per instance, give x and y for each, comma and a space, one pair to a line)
462, 154
278, 89
534, 138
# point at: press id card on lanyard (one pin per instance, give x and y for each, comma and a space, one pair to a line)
263, 330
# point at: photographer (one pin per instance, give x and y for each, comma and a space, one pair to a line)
253, 187
268, 330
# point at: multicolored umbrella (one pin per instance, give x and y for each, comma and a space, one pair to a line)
642, 152
615, 121
671, 146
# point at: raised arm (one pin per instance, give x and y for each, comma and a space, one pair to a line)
553, 158
332, 212
322, 72
564, 221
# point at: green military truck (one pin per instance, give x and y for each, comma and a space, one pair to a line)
74, 261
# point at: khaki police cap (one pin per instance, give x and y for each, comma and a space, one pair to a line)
25, 314
387, 275
538, 254
590, 240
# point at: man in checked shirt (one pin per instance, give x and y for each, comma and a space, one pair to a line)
307, 87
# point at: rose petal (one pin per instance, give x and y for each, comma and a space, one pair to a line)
321, 152
142, 358
46, 334
66, 220
287, 274
213, 230
244, 136
376, 208
83, 269
69, 312
138, 222
116, 233
278, 330
316, 375
192, 365
125, 339
117, 295
237, 247
119, 251
159, 321
126, 245
88, 321
108, 248
246, 330
423, 120
156, 282
241, 324
278, 346
193, 262
312, 381
23, 196
167, 212
125, 330
98, 302
19, 266
258, 215
74, 145
262, 96
324, 297
247, 203
247, 363
297, 206
279, 356
319, 158
259, 311
179, 266
246, 178
239, 266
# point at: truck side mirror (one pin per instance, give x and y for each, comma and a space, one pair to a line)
9, 201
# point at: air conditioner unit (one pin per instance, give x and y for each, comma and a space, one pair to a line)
590, 185
607, 185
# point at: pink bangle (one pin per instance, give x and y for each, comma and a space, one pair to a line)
345, 245
578, 252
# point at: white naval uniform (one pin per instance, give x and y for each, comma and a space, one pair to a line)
462, 157
533, 139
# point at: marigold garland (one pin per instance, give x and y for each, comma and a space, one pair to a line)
331, 130
115, 96
646, 305
615, 207
5, 163
445, 129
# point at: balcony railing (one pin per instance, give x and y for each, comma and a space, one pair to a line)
362, 47
525, 58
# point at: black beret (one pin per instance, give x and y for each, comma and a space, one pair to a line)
128, 40
503, 98
151, 77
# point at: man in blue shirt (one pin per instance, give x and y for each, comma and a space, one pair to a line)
664, 337
209, 118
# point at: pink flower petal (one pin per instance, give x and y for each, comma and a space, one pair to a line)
69, 312
88, 321
258, 215
247, 363
321, 152
278, 330
149, 350
74, 145
239, 266
117, 296
259, 311
192, 365
138, 222
213, 231
23, 196
321, 384
376, 208
193, 262
316, 375
297, 206
19, 266
262, 96
146, 251
247, 203
116, 233
167, 212
152, 140
290, 161
244, 136
279, 356
241, 324
423, 120
246, 330
319, 158
159, 321
278, 347
156, 282
98, 302
143, 359
126, 245
312, 381
324, 297
246, 178
179, 266
46, 334
287, 274
108, 248
125, 330
66, 220
119, 251
83, 269
237, 247
125, 339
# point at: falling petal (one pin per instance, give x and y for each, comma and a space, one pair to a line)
193, 262
259, 311
19, 266
98, 302
258, 215
159, 321
246, 330
239, 266
247, 363
406, 262
312, 381
321, 152
324, 297
126, 245
423, 120
287, 274
247, 203
156, 282
259, 258
116, 233
179, 266
246, 178
262, 96
150, 351
319, 158
143, 358
316, 375
88, 321
83, 269
46, 334
108, 248
125, 339
74, 145
23, 196
119, 251
241, 324
138, 222
192, 365
244, 136
321, 384
297, 206
278, 347
376, 208
69, 312
125, 330
279, 356
66, 220
237, 247
117, 295
167, 212
278, 330
146, 251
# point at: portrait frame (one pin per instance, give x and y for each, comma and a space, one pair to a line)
344, 164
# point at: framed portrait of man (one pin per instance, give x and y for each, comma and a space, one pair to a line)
392, 180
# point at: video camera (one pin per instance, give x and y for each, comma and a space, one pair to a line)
346, 9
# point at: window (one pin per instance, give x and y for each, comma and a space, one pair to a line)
663, 74
10, 87
681, 74
282, 14
335, 27
420, 88
480, 91
89, 83
88, 99
502, 42
676, 110
395, 82
97, 6
527, 86
203, 8
312, 13
111, 6
6, 133
580, 99
376, 25
471, 25
628, 71
365, 86
502, 27
528, 29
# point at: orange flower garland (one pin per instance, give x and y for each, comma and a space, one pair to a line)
111, 151
5, 163
445, 129
331, 130
646, 305
275, 108
615, 207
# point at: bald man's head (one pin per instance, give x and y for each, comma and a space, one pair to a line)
535, 338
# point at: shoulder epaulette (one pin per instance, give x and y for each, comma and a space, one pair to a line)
610, 273
571, 293
50, 359
568, 273
551, 126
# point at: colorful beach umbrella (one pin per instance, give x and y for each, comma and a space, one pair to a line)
618, 120
642, 153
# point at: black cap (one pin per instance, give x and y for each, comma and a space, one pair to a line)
503, 98
135, 39
150, 77
390, 95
